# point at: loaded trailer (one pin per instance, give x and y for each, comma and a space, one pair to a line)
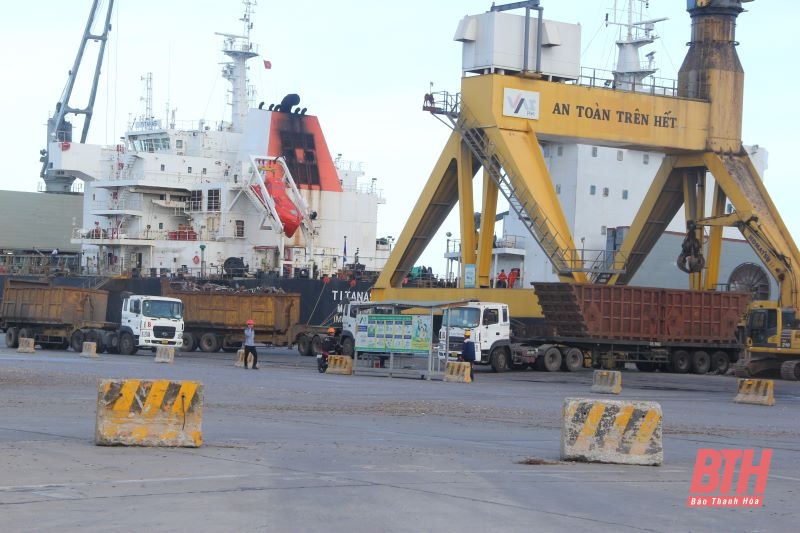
215, 317
656, 329
607, 326
61, 317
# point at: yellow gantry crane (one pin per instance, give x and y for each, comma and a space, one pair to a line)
501, 118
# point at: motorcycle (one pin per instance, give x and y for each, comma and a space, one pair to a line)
322, 361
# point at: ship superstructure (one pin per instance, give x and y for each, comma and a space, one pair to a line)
258, 193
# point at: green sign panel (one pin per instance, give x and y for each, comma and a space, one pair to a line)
393, 333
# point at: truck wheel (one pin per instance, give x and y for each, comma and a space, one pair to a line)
790, 370
701, 362
304, 345
127, 346
499, 359
720, 362
12, 338
111, 341
551, 360
189, 342
681, 362
209, 343
348, 346
76, 341
572, 360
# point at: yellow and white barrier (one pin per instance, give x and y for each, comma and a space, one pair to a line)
457, 372
612, 431
340, 364
756, 391
165, 354
26, 346
607, 381
89, 349
239, 358
134, 412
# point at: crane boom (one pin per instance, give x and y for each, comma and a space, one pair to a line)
59, 130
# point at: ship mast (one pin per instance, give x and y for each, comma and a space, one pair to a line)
239, 49
634, 33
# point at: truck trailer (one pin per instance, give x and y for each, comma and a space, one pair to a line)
215, 317
61, 317
608, 325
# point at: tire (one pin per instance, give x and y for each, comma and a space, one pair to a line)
720, 362
111, 342
551, 360
348, 346
304, 345
500, 359
572, 360
209, 343
790, 370
76, 341
701, 362
189, 342
12, 337
681, 361
127, 346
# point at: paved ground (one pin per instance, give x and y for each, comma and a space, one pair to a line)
289, 449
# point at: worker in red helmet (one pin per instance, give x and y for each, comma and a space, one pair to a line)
250, 345
330, 345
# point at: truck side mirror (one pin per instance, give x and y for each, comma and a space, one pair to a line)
135, 307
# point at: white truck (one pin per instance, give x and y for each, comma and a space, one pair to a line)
490, 329
65, 316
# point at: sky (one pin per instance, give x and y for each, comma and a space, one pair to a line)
361, 66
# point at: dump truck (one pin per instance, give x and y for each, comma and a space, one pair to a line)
62, 316
610, 325
215, 317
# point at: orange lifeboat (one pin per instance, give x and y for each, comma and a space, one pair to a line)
288, 213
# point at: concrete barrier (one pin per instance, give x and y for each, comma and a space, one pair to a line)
165, 354
89, 349
607, 381
134, 412
340, 364
756, 391
457, 372
611, 431
26, 346
239, 358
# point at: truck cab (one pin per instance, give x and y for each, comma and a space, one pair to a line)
490, 329
151, 321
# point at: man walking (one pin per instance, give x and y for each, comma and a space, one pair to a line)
250, 344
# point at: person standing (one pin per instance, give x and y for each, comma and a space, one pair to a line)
501, 279
468, 353
250, 344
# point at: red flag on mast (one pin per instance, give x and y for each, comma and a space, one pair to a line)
267, 64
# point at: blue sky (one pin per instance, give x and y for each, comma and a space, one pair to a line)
362, 66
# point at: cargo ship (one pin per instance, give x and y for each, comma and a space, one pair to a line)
255, 199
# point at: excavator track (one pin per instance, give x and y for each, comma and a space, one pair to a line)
790, 370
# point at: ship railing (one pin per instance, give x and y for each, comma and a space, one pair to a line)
119, 204
510, 241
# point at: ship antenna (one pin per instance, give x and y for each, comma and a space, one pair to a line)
239, 49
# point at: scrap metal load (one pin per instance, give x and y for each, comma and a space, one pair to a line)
215, 315
668, 329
